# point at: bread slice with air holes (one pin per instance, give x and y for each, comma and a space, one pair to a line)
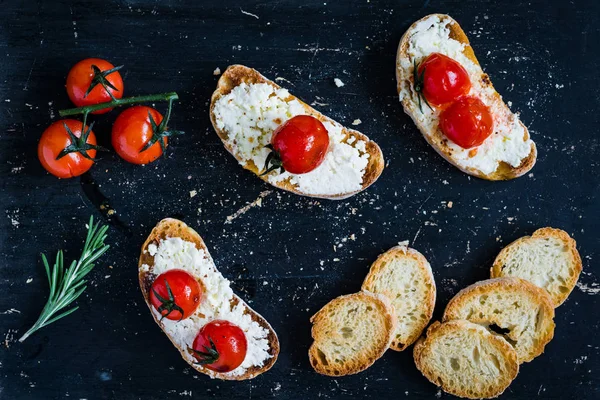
350, 333
508, 152
404, 276
548, 258
523, 312
188, 251
246, 109
466, 360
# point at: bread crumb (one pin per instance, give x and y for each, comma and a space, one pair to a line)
356, 122
217, 71
29, 280
403, 243
450, 204
336, 259
338, 82
193, 193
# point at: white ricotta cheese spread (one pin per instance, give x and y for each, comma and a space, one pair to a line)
506, 142
250, 114
175, 253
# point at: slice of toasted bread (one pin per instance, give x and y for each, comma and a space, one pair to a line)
172, 228
350, 333
523, 312
404, 276
548, 258
345, 170
466, 360
508, 152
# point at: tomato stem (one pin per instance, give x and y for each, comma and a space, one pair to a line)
119, 102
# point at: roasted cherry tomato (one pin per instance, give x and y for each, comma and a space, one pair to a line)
175, 294
298, 146
132, 132
64, 152
93, 81
220, 346
441, 80
467, 122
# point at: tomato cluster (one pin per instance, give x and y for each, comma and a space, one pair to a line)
67, 148
220, 346
444, 83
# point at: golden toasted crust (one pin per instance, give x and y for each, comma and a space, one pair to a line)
237, 74
558, 297
170, 227
427, 282
322, 323
510, 287
437, 330
436, 139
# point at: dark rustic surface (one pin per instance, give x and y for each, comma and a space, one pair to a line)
292, 255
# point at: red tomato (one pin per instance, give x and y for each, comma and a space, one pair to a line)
298, 146
467, 122
133, 130
175, 294
220, 346
441, 79
56, 139
101, 76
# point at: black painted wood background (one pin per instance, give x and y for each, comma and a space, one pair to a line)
290, 256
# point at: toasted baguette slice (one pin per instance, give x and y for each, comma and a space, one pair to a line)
522, 310
404, 276
508, 152
466, 360
245, 110
188, 328
548, 258
350, 333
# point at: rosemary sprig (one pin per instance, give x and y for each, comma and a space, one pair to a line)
66, 285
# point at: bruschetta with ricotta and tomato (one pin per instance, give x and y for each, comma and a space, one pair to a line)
286, 142
453, 103
215, 331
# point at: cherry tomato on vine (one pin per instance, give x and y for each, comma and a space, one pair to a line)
175, 294
93, 81
441, 80
139, 136
64, 151
467, 122
220, 346
298, 146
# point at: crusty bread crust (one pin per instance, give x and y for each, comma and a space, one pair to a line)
427, 277
436, 139
558, 297
320, 323
509, 287
237, 74
437, 330
170, 227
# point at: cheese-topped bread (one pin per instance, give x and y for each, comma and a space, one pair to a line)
522, 312
350, 333
173, 245
466, 360
404, 276
508, 152
548, 258
246, 109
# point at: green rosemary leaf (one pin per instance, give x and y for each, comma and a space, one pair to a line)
59, 316
66, 285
